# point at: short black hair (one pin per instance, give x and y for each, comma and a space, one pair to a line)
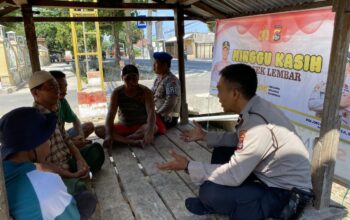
243, 75
57, 74
130, 69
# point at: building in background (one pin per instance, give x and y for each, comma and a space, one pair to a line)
197, 45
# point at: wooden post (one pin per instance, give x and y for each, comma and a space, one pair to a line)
32, 44
4, 210
324, 154
179, 27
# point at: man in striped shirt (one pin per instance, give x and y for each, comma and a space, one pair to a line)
64, 157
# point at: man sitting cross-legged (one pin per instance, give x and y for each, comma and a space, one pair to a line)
135, 106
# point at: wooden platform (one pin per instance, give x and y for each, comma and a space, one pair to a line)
130, 186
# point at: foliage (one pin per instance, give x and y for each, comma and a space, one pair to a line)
212, 26
14, 26
106, 45
58, 34
137, 51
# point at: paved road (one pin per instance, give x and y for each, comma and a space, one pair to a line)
191, 66
23, 97
197, 82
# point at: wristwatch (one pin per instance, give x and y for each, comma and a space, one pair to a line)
186, 169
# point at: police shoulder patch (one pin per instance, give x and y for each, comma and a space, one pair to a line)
241, 139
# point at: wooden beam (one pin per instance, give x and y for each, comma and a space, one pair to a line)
7, 10
99, 5
188, 2
324, 152
12, 2
180, 32
209, 9
4, 209
194, 16
7, 3
21, 2
32, 43
90, 19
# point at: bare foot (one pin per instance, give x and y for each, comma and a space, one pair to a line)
138, 143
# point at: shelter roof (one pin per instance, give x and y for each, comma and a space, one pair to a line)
205, 10
209, 10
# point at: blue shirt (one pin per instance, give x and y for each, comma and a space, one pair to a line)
34, 194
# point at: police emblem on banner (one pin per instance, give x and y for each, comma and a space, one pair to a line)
277, 33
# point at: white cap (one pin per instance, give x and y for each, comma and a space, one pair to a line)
38, 78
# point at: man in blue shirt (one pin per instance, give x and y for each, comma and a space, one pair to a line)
33, 193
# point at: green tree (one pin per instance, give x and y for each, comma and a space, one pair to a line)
212, 26
122, 32
128, 39
57, 35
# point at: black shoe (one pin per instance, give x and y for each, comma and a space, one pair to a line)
195, 206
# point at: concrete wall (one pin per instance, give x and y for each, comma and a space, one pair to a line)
15, 67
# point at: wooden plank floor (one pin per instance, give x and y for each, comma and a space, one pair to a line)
130, 186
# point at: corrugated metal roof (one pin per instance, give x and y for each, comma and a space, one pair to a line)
210, 10
213, 9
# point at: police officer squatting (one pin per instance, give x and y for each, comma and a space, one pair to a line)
260, 171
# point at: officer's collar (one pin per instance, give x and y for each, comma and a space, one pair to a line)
245, 112
239, 121
249, 104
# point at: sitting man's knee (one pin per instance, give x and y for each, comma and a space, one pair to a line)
100, 131
90, 126
207, 192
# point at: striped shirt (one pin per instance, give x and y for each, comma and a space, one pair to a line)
60, 143
132, 110
37, 195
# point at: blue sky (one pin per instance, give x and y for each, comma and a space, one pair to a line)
169, 27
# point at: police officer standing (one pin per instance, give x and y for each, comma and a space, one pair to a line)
316, 99
269, 161
220, 65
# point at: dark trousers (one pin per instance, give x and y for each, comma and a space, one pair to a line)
86, 203
250, 200
169, 123
222, 155
94, 157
